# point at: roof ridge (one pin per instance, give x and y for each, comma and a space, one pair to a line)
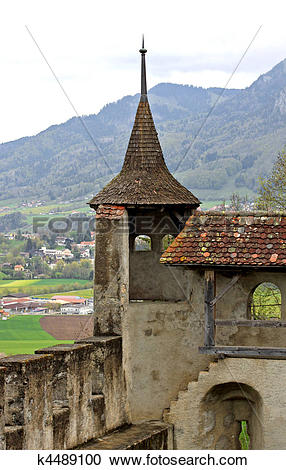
258, 213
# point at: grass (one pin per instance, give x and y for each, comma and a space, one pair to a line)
38, 286
206, 205
244, 438
55, 208
23, 334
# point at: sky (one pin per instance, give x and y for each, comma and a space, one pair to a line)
62, 58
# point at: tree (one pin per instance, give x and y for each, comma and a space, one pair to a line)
29, 246
237, 202
272, 189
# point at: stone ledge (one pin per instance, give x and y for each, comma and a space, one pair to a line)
23, 359
147, 435
61, 349
98, 339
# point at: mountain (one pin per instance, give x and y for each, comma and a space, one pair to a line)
233, 136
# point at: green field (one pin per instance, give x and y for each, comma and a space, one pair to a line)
23, 334
85, 293
41, 286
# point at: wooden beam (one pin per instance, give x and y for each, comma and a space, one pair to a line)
252, 323
226, 289
250, 352
209, 308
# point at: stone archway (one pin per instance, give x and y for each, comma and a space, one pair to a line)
223, 410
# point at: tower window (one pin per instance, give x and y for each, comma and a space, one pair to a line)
143, 243
166, 241
265, 302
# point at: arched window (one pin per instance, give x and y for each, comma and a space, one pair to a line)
143, 243
166, 241
265, 302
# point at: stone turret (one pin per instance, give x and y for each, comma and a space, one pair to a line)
144, 178
144, 199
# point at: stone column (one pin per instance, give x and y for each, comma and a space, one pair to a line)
28, 401
111, 275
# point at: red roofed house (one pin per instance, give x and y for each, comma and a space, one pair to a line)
19, 267
89, 243
69, 299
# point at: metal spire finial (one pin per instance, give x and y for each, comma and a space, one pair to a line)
143, 72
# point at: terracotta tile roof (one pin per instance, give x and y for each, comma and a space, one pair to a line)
216, 238
107, 211
144, 178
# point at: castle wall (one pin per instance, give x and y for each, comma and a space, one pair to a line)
150, 280
111, 274
108, 378
160, 351
28, 401
233, 306
62, 396
208, 413
161, 340
72, 389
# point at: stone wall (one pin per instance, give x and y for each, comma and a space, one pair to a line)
150, 280
153, 435
160, 346
234, 306
108, 378
161, 339
62, 396
111, 274
208, 413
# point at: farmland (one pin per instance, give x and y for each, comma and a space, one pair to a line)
42, 286
23, 334
85, 293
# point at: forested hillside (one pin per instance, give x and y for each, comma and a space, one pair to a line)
237, 143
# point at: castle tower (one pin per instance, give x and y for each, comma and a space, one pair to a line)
142, 208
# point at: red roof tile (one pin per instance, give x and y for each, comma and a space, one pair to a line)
217, 238
106, 211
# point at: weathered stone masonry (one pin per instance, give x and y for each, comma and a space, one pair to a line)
62, 396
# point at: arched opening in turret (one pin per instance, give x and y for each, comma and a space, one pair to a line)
143, 243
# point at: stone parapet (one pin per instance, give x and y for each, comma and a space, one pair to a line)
108, 377
72, 389
28, 401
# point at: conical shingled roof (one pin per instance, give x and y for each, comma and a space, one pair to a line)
144, 178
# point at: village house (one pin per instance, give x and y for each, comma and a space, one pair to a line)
19, 267
75, 309
55, 254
